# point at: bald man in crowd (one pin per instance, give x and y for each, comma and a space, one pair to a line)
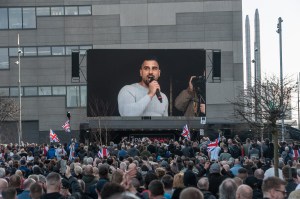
244, 192
3, 185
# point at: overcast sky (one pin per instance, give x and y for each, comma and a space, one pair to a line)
269, 12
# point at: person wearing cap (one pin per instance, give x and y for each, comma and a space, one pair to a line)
215, 178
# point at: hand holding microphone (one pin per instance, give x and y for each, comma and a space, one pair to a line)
154, 85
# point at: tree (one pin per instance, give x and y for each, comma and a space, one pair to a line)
263, 104
100, 108
8, 109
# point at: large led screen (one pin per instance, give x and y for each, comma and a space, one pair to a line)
118, 82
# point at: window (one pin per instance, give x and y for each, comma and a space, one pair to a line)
69, 49
43, 11
57, 11
73, 99
30, 51
83, 97
84, 48
44, 90
4, 92
4, 58
14, 91
59, 90
3, 18
13, 52
71, 10
15, 18
58, 50
30, 91
29, 18
44, 51
85, 10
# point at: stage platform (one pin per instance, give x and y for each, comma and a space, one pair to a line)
146, 123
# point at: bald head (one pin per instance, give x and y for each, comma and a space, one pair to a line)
259, 174
28, 182
244, 192
3, 184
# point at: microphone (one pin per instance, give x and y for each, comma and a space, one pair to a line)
158, 95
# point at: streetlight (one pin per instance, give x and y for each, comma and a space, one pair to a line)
255, 80
255, 94
279, 31
20, 92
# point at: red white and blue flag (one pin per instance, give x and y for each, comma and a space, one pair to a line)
67, 126
53, 136
103, 152
186, 132
211, 146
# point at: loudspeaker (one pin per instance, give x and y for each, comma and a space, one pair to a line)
75, 64
216, 64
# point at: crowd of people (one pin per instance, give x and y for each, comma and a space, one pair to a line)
150, 170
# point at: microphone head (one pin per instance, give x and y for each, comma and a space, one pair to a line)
151, 78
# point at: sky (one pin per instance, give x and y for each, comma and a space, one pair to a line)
269, 12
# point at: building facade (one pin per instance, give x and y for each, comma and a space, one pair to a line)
50, 30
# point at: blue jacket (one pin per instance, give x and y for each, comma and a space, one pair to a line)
51, 153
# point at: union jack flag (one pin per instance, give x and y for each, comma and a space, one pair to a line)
185, 132
211, 146
53, 136
67, 126
103, 152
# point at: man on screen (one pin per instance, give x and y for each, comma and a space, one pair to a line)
191, 101
140, 99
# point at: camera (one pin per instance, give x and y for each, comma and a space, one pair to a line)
199, 84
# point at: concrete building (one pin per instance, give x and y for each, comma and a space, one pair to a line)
50, 30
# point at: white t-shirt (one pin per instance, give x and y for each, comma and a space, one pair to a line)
214, 153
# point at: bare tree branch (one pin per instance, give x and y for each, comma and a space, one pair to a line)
263, 104
8, 109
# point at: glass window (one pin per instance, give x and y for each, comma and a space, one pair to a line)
44, 90
84, 48
15, 18
83, 95
44, 51
43, 11
3, 18
69, 49
85, 10
71, 10
30, 91
14, 91
30, 51
59, 90
4, 58
13, 52
73, 99
57, 11
4, 91
29, 18
58, 50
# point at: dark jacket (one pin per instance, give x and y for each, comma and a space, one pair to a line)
215, 180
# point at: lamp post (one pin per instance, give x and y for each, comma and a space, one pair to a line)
255, 94
279, 31
20, 92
